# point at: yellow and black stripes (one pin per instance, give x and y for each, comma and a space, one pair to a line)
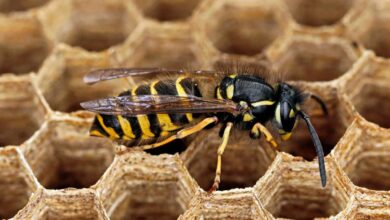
185, 87
128, 133
168, 87
148, 123
106, 125
116, 127
148, 126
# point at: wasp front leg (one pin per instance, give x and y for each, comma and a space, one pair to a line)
221, 149
256, 131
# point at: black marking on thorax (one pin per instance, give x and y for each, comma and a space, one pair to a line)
250, 89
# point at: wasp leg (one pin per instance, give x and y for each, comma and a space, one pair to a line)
183, 133
220, 151
257, 128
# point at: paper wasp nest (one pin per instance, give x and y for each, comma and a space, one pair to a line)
51, 169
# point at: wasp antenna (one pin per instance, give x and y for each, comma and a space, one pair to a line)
317, 145
321, 102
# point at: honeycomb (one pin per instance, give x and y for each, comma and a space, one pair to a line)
51, 169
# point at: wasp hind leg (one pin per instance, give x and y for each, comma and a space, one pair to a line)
257, 129
183, 133
221, 149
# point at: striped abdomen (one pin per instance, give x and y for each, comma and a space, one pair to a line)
151, 126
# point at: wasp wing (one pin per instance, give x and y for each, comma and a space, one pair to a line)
155, 104
114, 73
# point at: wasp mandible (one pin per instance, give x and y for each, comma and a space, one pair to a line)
164, 110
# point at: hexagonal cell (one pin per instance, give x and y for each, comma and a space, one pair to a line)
94, 27
22, 109
318, 12
372, 29
61, 78
62, 154
329, 128
159, 46
234, 204
7, 6
370, 97
167, 10
16, 183
244, 28
364, 154
66, 204
368, 89
370, 209
23, 44
139, 185
312, 57
243, 162
291, 189
229, 205
370, 214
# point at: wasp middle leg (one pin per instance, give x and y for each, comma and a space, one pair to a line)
221, 149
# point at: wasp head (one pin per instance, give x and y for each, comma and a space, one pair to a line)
287, 109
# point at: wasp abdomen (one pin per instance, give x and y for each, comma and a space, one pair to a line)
148, 126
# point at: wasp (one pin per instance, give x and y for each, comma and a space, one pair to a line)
161, 111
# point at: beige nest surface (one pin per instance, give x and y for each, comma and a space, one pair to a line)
51, 169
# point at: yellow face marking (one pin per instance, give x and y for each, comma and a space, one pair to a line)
126, 128
230, 91
233, 76
143, 122
262, 103
248, 117
96, 133
291, 114
181, 92
110, 131
219, 96
277, 114
163, 119
295, 124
